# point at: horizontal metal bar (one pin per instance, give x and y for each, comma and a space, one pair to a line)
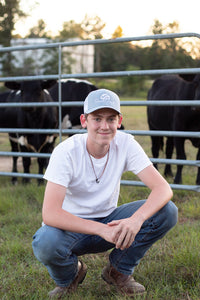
25, 154
122, 103
161, 103
188, 134
104, 74
195, 163
99, 41
195, 188
132, 73
29, 104
27, 78
16, 174
41, 104
42, 131
164, 133
27, 130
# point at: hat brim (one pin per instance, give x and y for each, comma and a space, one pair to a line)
100, 107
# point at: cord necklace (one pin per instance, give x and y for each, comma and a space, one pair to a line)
98, 178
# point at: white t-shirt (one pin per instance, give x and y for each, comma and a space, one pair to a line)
70, 166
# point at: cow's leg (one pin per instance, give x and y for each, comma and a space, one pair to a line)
26, 165
169, 152
14, 148
156, 142
180, 154
14, 169
198, 171
42, 164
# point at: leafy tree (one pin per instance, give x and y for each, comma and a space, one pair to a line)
38, 31
27, 67
89, 28
92, 27
70, 29
117, 33
168, 53
115, 57
130, 85
50, 65
157, 27
10, 13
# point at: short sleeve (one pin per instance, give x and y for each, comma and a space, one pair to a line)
59, 169
137, 160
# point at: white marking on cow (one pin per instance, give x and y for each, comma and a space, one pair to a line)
76, 80
22, 140
50, 138
66, 123
46, 91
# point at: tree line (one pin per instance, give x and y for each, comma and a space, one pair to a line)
167, 53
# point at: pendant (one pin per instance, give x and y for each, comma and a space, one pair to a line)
97, 180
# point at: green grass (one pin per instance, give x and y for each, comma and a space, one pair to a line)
170, 270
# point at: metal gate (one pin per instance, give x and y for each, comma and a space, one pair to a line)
60, 76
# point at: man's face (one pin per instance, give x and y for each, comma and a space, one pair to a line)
101, 125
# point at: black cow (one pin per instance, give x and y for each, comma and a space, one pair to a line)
175, 118
31, 118
72, 90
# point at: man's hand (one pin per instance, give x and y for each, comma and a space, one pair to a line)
124, 232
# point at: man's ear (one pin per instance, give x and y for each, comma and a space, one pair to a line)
120, 121
83, 121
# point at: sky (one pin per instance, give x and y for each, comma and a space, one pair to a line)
135, 17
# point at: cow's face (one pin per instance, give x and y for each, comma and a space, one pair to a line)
31, 91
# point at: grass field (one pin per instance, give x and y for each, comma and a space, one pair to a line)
169, 271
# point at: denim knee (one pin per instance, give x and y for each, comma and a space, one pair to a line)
170, 212
46, 244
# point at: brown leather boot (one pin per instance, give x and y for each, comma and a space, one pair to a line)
60, 291
124, 283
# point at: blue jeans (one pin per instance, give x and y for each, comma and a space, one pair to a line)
58, 250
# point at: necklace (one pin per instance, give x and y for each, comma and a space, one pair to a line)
98, 178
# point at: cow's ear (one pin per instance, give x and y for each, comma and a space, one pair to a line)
13, 85
47, 84
187, 77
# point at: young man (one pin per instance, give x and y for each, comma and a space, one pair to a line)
80, 213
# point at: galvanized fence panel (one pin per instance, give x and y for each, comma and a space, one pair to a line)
59, 76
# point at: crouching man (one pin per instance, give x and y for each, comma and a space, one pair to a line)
80, 211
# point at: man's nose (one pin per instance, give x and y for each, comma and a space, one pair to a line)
105, 124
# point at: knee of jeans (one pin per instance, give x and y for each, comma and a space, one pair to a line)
171, 214
46, 247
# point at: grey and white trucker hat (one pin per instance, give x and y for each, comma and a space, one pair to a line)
101, 98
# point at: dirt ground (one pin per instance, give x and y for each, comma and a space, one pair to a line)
6, 164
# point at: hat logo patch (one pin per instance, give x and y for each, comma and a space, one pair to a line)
105, 98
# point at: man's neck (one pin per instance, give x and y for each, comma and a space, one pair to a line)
97, 151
